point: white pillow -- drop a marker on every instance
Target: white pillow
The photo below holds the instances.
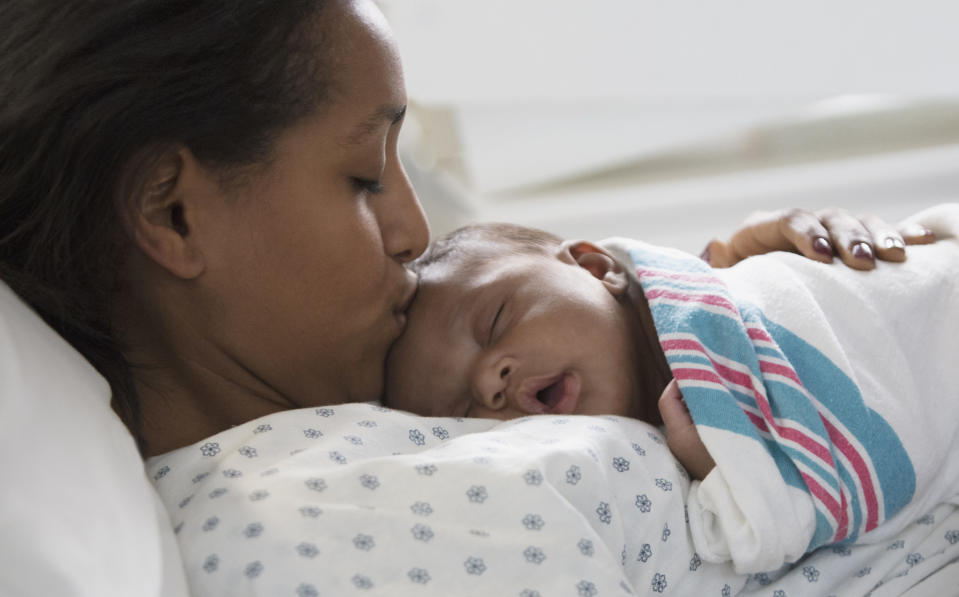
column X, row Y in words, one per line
column 77, row 513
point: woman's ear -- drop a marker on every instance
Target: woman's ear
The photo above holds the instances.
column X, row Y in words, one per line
column 159, row 213
column 598, row 262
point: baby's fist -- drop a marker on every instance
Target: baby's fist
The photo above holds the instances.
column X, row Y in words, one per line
column 681, row 435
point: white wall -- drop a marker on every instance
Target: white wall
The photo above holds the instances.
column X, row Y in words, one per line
column 541, row 50
column 517, row 97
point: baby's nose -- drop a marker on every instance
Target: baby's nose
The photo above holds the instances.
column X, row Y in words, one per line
column 491, row 382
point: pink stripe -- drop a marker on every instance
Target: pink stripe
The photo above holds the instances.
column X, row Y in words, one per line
column 758, row 421
column 681, row 344
column 837, row 510
column 758, row 334
column 862, row 471
column 709, row 299
column 779, row 369
column 813, row 447
column 697, row 375
column 702, row 278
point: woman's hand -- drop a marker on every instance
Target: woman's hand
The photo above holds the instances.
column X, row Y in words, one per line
column 681, row 435
column 858, row 241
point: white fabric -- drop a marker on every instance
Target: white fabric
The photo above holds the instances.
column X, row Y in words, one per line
column 361, row 500
column 77, row 515
column 898, row 337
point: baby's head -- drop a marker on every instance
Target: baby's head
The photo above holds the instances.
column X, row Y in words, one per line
column 510, row 321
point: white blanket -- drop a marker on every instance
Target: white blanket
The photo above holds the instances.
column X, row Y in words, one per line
column 827, row 397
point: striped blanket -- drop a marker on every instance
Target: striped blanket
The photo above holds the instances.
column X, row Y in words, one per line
column 828, row 398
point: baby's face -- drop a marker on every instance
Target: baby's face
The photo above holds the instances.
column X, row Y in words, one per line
column 513, row 335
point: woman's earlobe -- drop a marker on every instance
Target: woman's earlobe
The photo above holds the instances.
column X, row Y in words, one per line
column 598, row 262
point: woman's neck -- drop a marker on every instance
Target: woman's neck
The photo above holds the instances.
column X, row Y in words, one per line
column 182, row 402
column 188, row 388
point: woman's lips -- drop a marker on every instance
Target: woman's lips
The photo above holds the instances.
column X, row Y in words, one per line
column 554, row 394
column 409, row 291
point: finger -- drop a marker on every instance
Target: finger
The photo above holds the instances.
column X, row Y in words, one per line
column 887, row 241
column 915, row 234
column 806, row 233
column 851, row 239
column 719, row 254
column 759, row 234
column 675, row 415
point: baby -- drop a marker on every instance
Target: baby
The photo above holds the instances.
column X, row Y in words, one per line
column 511, row 321
column 823, row 398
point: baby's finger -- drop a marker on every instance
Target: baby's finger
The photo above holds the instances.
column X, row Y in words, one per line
column 887, row 241
column 806, row 234
column 852, row 240
column 675, row 415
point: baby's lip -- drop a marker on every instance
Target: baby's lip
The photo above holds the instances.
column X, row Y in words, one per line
column 550, row 394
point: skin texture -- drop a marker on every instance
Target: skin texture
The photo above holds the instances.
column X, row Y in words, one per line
column 285, row 291
column 487, row 331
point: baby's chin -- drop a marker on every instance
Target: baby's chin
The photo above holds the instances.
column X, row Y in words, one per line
column 608, row 405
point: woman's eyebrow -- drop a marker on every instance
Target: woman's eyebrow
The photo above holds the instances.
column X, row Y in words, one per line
column 387, row 113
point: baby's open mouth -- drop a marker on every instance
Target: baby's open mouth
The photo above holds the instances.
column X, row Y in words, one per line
column 551, row 394
column 557, row 394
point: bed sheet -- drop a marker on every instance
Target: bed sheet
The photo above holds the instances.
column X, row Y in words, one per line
column 362, row 500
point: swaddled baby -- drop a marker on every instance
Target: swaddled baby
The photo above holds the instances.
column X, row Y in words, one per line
column 805, row 381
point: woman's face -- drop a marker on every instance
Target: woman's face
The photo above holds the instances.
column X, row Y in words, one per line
column 304, row 281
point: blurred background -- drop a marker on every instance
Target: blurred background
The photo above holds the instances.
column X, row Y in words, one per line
column 671, row 121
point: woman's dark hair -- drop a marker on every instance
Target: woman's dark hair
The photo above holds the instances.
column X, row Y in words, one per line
column 92, row 90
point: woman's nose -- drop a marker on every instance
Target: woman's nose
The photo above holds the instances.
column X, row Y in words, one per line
column 491, row 381
column 403, row 224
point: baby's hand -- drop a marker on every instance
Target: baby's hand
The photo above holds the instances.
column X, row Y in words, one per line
column 681, row 435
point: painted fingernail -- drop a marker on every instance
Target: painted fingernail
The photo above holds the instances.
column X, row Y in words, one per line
column 916, row 230
column 892, row 242
column 862, row 250
column 705, row 255
column 821, row 245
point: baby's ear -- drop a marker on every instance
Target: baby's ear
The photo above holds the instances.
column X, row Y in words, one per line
column 598, row 262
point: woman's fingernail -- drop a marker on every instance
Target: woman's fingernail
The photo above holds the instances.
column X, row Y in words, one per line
column 892, row 242
column 862, row 250
column 705, row 255
column 916, row 231
column 821, row 245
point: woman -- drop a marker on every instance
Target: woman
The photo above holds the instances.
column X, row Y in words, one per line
column 206, row 200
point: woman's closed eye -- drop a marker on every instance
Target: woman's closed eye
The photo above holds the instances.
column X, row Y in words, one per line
column 368, row 185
